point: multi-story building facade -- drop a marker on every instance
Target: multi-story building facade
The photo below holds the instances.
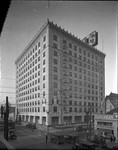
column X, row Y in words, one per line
column 58, row 77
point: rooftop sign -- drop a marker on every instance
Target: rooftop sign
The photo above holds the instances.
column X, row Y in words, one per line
column 91, row 39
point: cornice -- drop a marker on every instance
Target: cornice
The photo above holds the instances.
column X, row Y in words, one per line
column 63, row 31
column 75, row 38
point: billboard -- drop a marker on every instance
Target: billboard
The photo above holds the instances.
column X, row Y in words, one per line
column 91, row 39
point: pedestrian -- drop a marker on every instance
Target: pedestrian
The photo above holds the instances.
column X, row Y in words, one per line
column 46, row 138
column 114, row 139
column 32, row 128
column 111, row 138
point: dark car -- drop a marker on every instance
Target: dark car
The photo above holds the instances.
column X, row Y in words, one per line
column 30, row 125
column 12, row 135
column 100, row 141
column 72, row 138
column 56, row 138
column 85, row 145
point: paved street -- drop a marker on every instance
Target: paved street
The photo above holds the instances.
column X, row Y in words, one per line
column 26, row 139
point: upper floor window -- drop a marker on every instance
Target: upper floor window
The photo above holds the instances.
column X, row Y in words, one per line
column 55, row 53
column 54, row 109
column 43, row 54
column 64, row 41
column 55, row 37
column 55, row 45
column 75, row 48
column 44, row 46
column 70, row 45
column 44, row 38
column 38, row 44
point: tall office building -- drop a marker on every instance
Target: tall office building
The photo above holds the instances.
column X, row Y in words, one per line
column 58, row 77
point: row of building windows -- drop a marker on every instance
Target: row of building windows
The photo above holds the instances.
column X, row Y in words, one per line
column 55, row 109
column 31, row 52
column 70, row 102
column 85, row 53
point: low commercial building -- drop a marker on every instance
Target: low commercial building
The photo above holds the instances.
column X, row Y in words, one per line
column 111, row 102
column 107, row 123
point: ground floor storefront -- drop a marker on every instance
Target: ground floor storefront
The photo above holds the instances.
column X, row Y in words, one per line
column 53, row 120
column 106, row 125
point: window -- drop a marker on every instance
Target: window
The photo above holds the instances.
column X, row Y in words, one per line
column 70, row 66
column 43, row 77
column 55, row 77
column 64, row 41
column 55, row 37
column 38, row 109
column 43, row 109
column 36, row 47
column 44, row 46
column 70, row 45
column 55, row 69
column 55, row 45
column 39, row 58
column 54, row 109
column 75, row 61
column 38, row 94
column 70, row 102
column 43, row 62
column 80, row 57
column 38, row 44
column 70, row 53
column 75, row 109
column 39, row 80
column 75, row 55
column 55, row 53
column 43, row 70
column 55, row 61
column 75, row 68
column 75, row 47
column 43, row 93
column 80, row 51
column 55, row 85
column 44, row 38
column 70, row 109
column 38, row 65
column 43, row 85
column 43, row 54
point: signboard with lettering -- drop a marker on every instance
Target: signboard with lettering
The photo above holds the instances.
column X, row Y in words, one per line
column 91, row 39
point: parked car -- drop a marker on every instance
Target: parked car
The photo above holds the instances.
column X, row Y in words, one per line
column 30, row 125
column 12, row 135
column 56, row 138
column 100, row 141
column 85, row 145
column 72, row 138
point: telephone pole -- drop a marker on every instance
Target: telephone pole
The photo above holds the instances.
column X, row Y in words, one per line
column 6, row 115
column 90, row 120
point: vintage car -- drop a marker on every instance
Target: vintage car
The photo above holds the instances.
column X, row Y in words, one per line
column 85, row 145
column 71, row 138
column 57, row 138
column 12, row 135
column 30, row 125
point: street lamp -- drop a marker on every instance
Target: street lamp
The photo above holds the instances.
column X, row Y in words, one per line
column 60, row 92
column 87, row 119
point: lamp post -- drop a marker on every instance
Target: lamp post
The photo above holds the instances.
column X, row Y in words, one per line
column 87, row 115
column 60, row 92
column 90, row 121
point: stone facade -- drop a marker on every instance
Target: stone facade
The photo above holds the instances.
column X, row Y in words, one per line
column 58, row 77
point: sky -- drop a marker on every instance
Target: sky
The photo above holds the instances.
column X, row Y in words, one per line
column 25, row 18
